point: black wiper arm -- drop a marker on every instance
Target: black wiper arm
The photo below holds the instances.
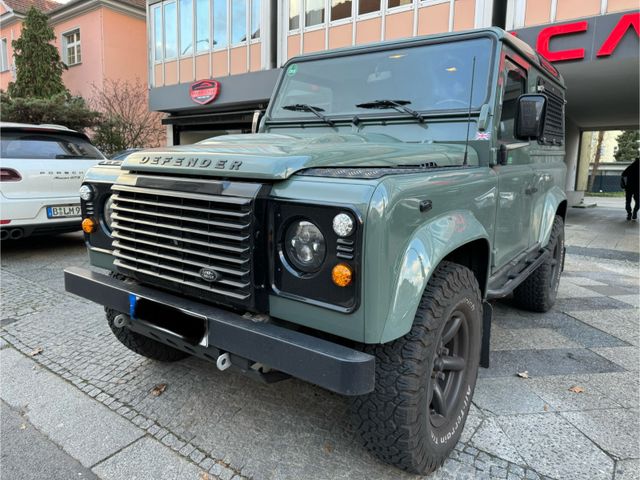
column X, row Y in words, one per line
column 317, row 111
column 399, row 105
column 69, row 155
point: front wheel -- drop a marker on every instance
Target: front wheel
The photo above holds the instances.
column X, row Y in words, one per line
column 425, row 380
column 539, row 291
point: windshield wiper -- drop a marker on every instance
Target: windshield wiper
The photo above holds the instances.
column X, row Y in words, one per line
column 317, row 111
column 399, row 105
column 69, row 155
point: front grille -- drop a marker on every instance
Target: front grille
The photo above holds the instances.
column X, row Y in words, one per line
column 166, row 237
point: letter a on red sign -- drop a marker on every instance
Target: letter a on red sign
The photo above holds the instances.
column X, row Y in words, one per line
column 626, row 21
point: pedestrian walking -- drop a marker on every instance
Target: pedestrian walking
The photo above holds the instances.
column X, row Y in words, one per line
column 630, row 184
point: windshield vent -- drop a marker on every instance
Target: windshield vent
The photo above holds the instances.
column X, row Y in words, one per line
column 365, row 173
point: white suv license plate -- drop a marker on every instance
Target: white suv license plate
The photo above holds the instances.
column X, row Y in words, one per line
column 62, row 211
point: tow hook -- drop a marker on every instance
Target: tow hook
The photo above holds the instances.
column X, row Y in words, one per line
column 121, row 321
column 223, row 362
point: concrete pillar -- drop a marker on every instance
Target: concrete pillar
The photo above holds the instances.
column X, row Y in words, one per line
column 572, row 148
column 169, row 135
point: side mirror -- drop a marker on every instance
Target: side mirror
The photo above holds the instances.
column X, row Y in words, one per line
column 530, row 116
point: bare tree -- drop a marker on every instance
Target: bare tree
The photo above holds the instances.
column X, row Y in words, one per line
column 128, row 123
column 596, row 161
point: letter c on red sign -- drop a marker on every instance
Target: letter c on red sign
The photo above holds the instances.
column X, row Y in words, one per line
column 626, row 21
column 546, row 34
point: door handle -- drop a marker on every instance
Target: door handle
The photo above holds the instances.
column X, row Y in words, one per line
column 530, row 190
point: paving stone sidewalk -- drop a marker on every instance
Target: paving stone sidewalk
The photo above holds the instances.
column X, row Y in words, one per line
column 234, row 427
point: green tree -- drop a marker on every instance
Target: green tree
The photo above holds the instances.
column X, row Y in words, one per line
column 60, row 109
column 38, row 65
column 627, row 145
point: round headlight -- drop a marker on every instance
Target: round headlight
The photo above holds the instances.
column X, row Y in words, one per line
column 305, row 246
column 343, row 225
column 107, row 211
column 86, row 192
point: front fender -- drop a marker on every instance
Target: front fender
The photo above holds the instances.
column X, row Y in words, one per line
column 548, row 207
column 430, row 244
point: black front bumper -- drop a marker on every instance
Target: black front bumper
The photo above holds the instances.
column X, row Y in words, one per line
column 315, row 360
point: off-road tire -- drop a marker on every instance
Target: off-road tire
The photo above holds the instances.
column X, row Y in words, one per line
column 395, row 420
column 539, row 291
column 140, row 344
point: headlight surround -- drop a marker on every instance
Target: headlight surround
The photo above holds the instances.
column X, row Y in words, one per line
column 305, row 246
column 107, row 212
column 86, row 192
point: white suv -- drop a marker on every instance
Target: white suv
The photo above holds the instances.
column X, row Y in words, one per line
column 41, row 170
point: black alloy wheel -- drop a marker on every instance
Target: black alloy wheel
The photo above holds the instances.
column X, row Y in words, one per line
column 447, row 377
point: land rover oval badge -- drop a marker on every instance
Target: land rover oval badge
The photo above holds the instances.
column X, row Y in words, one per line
column 209, row 274
column 204, row 91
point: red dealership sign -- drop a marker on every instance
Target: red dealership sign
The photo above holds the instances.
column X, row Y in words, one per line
column 627, row 21
column 204, row 91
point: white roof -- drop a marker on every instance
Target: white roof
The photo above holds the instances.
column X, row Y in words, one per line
column 47, row 126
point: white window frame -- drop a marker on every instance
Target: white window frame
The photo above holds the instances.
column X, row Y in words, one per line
column 317, row 26
column 74, row 44
column 253, row 41
column 152, row 9
column 213, row 32
column 4, row 55
column 342, row 21
column 285, row 12
column 400, row 8
column 367, row 16
column 193, row 30
column 247, row 35
column 166, row 58
column 195, row 27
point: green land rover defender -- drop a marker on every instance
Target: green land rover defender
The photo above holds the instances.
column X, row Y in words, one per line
column 356, row 239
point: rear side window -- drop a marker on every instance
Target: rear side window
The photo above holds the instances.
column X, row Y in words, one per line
column 49, row 146
column 515, row 85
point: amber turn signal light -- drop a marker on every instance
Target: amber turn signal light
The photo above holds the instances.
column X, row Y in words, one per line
column 342, row 275
column 88, row 225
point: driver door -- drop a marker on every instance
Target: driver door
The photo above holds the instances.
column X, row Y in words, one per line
column 514, row 206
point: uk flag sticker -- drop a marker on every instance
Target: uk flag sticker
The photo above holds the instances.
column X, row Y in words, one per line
column 483, row 136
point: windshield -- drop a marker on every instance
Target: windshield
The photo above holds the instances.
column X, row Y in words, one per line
column 424, row 78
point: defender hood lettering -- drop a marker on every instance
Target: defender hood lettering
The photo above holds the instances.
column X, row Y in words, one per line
column 276, row 157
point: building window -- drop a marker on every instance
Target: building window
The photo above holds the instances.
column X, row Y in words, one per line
column 186, row 27
column 255, row 19
column 294, row 14
column 4, row 57
column 398, row 3
column 238, row 21
column 71, row 52
column 313, row 12
column 368, row 6
column 157, row 33
column 340, row 9
column 220, row 35
column 170, row 30
column 202, row 25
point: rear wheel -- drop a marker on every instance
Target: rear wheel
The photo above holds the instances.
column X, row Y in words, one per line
column 425, row 380
column 539, row 291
